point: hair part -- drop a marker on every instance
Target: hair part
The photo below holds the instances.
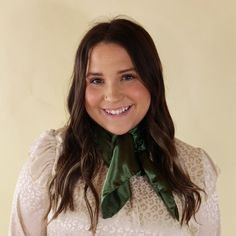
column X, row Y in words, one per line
column 79, row 158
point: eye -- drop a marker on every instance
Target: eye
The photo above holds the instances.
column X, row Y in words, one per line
column 95, row 81
column 128, row 77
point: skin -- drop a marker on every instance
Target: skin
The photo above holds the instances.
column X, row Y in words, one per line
column 115, row 95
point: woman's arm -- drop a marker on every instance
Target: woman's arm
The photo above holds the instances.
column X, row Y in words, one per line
column 208, row 216
column 30, row 204
column 31, row 200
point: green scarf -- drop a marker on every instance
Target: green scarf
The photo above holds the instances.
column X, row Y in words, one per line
column 126, row 155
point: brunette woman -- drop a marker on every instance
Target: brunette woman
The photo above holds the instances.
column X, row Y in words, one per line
column 116, row 168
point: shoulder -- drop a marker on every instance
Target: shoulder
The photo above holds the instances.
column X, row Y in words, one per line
column 198, row 164
column 44, row 153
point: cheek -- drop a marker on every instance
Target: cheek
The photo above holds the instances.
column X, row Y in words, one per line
column 92, row 97
column 141, row 94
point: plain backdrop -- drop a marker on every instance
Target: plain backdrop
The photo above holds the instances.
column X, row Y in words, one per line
column 196, row 43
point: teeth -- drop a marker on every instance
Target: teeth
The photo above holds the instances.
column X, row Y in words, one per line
column 117, row 111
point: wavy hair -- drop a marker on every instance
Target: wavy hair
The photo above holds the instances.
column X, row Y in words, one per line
column 79, row 158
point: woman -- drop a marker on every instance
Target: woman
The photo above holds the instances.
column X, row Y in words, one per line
column 116, row 168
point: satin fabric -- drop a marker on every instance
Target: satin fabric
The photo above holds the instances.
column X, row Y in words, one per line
column 126, row 155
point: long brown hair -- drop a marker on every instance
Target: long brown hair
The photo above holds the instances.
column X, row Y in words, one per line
column 79, row 158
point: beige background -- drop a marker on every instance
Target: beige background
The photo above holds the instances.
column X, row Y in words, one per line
column 196, row 42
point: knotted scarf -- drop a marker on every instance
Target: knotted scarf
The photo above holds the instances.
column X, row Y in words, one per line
column 126, row 155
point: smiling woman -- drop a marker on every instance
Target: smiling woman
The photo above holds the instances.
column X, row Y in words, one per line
column 116, row 167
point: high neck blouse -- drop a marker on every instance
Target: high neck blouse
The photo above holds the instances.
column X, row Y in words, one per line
column 143, row 215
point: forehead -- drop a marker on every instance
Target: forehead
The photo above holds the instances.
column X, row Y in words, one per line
column 107, row 55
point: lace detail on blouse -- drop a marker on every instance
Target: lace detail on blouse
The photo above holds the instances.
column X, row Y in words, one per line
column 144, row 214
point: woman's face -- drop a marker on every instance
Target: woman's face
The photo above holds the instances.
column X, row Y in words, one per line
column 115, row 96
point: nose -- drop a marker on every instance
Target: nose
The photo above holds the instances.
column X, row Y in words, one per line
column 113, row 93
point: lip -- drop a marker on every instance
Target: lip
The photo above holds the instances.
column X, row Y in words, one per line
column 110, row 112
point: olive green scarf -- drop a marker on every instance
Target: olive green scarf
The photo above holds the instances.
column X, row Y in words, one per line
column 126, row 155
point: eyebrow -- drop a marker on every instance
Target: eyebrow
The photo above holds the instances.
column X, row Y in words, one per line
column 119, row 72
column 93, row 73
column 126, row 70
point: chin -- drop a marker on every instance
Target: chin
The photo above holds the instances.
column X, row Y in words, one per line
column 117, row 131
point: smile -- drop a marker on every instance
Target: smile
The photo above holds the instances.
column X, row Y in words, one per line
column 117, row 111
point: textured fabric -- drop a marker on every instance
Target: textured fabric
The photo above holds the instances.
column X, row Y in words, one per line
column 144, row 214
column 126, row 155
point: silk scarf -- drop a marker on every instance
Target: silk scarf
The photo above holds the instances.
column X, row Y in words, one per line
column 126, row 156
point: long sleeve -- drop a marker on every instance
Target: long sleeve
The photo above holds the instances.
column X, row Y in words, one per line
column 208, row 216
column 204, row 173
column 31, row 202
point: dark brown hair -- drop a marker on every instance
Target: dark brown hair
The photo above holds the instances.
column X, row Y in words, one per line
column 79, row 158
